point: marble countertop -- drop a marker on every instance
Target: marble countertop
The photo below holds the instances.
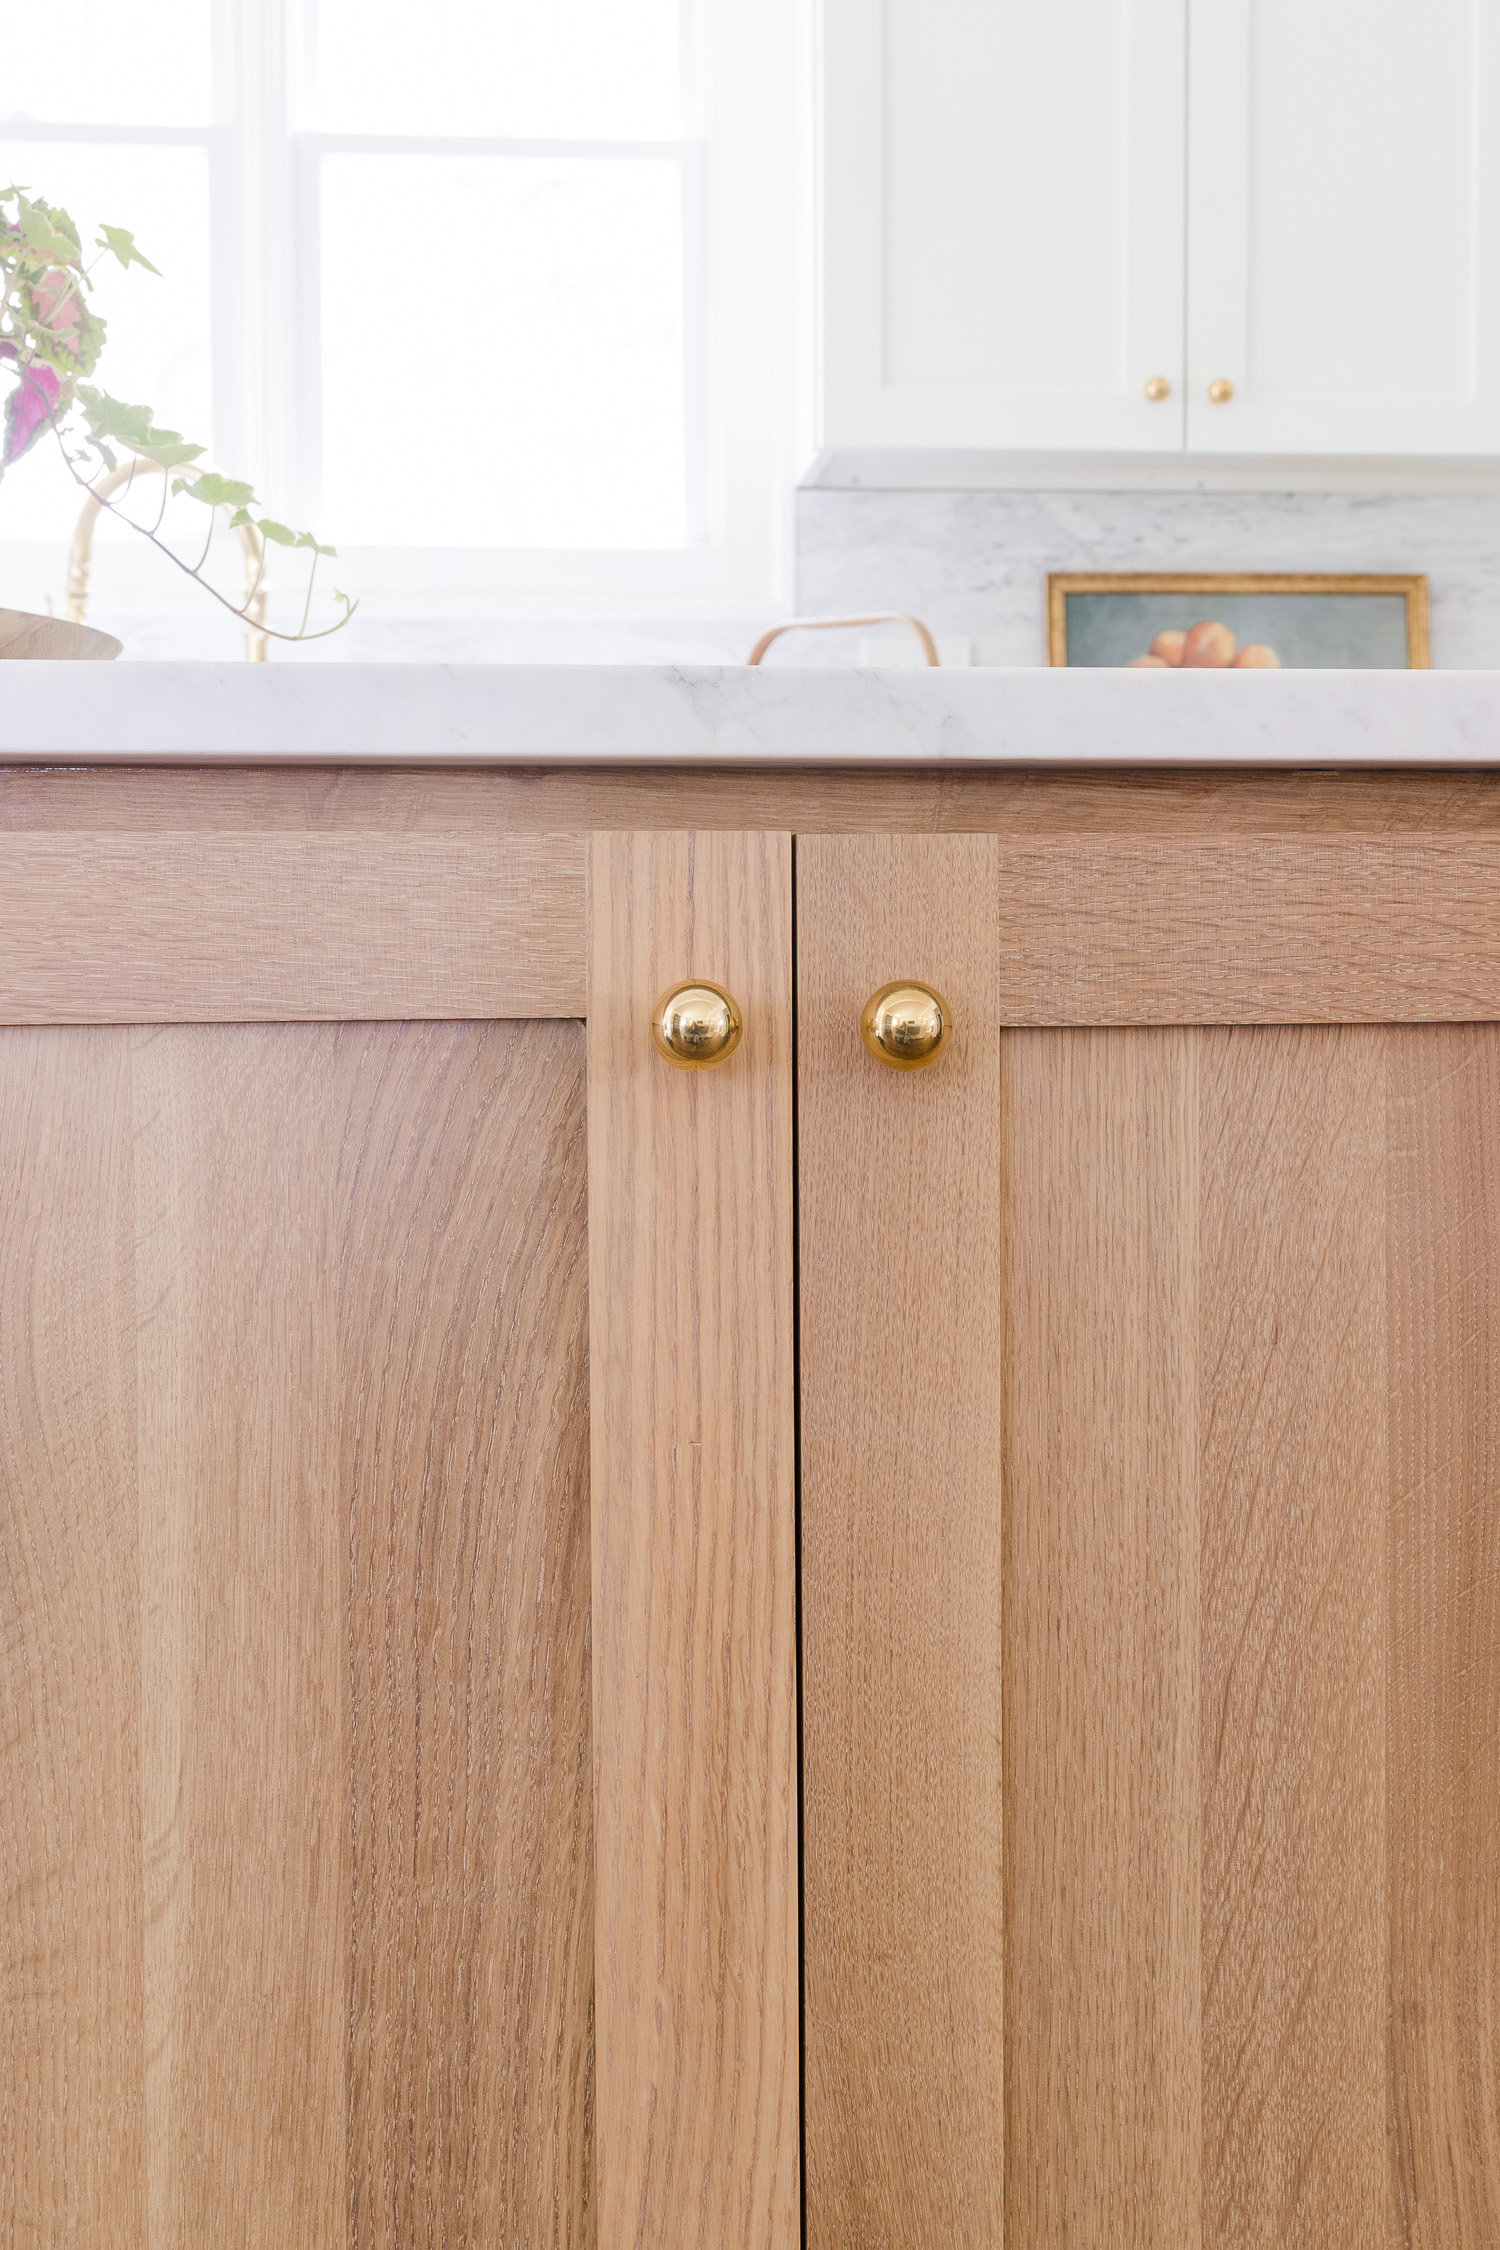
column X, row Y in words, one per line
column 476, row 715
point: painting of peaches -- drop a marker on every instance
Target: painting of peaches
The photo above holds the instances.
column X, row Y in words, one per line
column 1209, row 646
column 1237, row 622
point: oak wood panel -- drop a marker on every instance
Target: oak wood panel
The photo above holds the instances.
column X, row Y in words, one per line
column 1443, row 1800
column 99, row 927
column 322, row 1971
column 242, row 1602
column 901, row 1551
column 1249, row 930
column 537, row 799
column 461, row 1317
column 1101, row 1639
column 1294, row 1466
column 692, row 1415
column 72, row 2050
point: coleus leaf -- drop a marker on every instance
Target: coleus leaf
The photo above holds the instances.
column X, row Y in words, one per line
column 40, row 236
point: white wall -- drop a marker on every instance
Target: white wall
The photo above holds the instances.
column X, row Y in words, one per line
column 974, row 564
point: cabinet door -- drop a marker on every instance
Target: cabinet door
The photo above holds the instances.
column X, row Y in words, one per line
column 1150, row 1355
column 1002, row 222
column 1343, row 225
column 397, row 1738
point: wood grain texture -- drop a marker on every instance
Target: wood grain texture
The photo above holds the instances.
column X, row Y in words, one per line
column 102, row 927
column 242, row 1647
column 1293, row 1453
column 901, row 1545
column 313, row 1964
column 945, row 800
column 1250, row 1617
column 191, row 928
column 1249, row 930
column 464, row 1281
column 694, row 1617
column 1101, row 1639
column 72, row 2050
column 1443, row 1801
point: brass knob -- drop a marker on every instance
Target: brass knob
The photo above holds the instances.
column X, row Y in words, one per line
column 696, row 1024
column 1158, row 388
column 1220, row 391
column 906, row 1026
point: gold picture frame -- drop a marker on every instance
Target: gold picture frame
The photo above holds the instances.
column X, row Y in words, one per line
column 1412, row 588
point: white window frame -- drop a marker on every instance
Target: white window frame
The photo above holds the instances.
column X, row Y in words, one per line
column 748, row 173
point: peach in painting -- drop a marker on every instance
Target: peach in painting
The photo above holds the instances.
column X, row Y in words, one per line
column 1148, row 664
column 1256, row 656
column 1167, row 646
column 1209, row 645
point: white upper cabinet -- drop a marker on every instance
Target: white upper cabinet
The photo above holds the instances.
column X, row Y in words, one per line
column 1002, row 222
column 1035, row 209
column 1343, row 227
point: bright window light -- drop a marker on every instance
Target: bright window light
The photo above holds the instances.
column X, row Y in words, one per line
column 108, row 62
column 493, row 294
column 529, row 69
column 562, row 280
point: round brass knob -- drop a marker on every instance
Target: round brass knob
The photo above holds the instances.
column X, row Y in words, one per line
column 906, row 1026
column 1158, row 388
column 1220, row 391
column 696, row 1024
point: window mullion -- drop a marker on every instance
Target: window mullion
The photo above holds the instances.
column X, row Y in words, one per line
column 252, row 245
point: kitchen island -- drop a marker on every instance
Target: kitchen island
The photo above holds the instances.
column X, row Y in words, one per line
column 610, row 1640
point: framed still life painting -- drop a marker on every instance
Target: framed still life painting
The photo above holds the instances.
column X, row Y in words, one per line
column 1239, row 620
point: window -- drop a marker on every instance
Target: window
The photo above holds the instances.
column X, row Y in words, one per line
column 496, row 294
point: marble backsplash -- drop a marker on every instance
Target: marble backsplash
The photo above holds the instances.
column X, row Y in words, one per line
column 973, row 565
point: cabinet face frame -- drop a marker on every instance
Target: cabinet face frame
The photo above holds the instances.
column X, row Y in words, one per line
column 860, row 406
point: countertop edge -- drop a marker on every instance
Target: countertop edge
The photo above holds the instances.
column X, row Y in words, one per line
column 733, row 716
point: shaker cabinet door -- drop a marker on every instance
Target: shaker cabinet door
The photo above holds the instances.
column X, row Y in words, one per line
column 1150, row 1353
column 1343, row 226
column 397, row 1603
column 1002, row 191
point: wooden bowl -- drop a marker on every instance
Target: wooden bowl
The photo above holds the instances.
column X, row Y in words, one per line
column 23, row 634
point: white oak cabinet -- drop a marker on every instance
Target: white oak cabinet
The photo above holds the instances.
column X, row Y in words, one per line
column 787, row 1656
column 1230, row 226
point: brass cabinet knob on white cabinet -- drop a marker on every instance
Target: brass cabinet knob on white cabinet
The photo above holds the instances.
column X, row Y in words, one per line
column 1220, row 391
column 1157, row 388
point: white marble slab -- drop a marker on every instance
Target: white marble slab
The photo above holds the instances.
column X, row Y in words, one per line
column 390, row 714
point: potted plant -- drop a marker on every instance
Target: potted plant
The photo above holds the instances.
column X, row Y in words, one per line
column 50, row 342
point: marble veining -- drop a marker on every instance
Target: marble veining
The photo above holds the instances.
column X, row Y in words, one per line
column 477, row 714
column 974, row 564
